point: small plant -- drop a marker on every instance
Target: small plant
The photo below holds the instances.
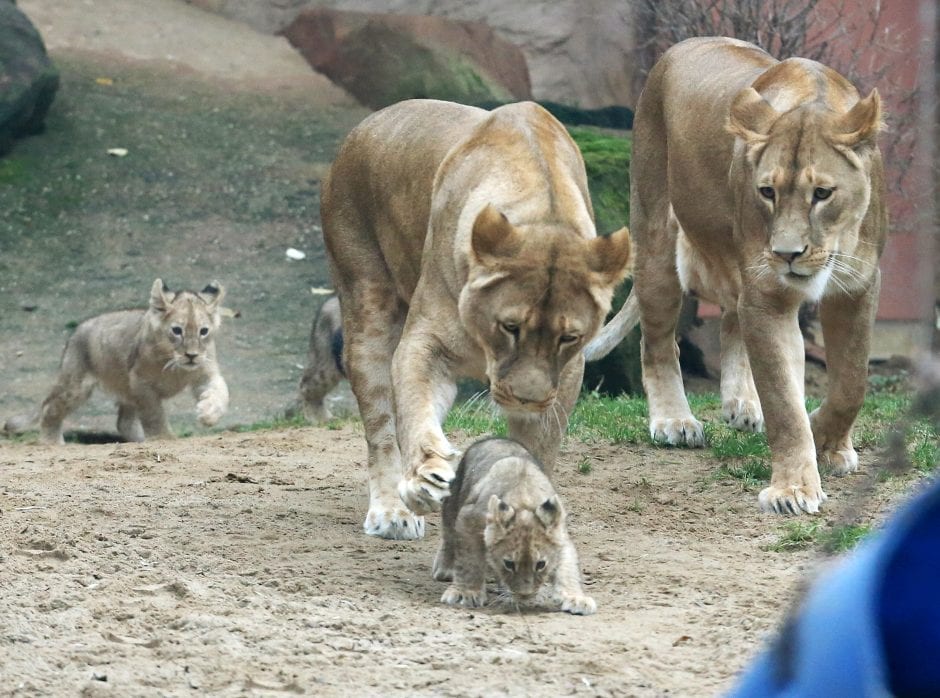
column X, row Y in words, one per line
column 843, row 538
column 753, row 473
column 584, row 467
column 796, row 535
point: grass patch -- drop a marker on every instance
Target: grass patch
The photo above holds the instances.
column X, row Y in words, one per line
column 796, row 535
column 844, row 538
column 752, row 473
column 802, row 534
column 278, row 422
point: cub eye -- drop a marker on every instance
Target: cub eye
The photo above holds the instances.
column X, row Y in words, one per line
column 510, row 328
column 509, row 565
column 767, row 192
column 821, row 193
column 540, row 565
column 177, row 330
column 203, row 331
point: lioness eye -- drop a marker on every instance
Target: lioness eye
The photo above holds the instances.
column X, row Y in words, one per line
column 568, row 338
column 177, row 330
column 203, row 331
column 821, row 193
column 509, row 565
column 510, row 328
column 767, row 192
column 540, row 565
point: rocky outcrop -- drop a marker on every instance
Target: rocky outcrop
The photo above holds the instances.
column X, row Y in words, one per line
column 28, row 79
column 579, row 52
column 381, row 58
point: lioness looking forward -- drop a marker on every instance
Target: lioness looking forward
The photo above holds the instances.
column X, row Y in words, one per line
column 141, row 357
column 461, row 243
column 758, row 185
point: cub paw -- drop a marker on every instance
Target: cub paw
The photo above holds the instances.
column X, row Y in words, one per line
column 395, row 523
column 678, row 432
column 208, row 411
column 794, row 499
column 578, row 605
column 743, row 415
column 462, row 596
column 426, row 488
column 840, row 461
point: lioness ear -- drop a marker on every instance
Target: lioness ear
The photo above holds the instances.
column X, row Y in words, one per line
column 498, row 512
column 610, row 256
column 159, row 299
column 751, row 116
column 494, row 236
column 213, row 294
column 861, row 123
column 550, row 512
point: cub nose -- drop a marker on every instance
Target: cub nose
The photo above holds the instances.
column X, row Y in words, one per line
column 191, row 356
column 789, row 255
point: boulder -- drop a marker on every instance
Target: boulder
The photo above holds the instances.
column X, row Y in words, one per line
column 28, row 79
column 381, row 59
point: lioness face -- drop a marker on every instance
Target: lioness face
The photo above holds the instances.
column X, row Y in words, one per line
column 185, row 323
column 812, row 187
column 534, row 297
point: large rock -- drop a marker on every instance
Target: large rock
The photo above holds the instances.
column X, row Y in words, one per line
column 381, row 59
column 579, row 52
column 28, row 79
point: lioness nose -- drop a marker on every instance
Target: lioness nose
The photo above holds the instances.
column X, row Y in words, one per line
column 191, row 356
column 789, row 255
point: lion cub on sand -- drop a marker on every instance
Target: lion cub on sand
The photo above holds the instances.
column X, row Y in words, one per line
column 504, row 517
column 142, row 357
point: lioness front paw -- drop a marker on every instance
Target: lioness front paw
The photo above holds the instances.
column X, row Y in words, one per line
column 743, row 415
column 426, row 488
column 794, row 499
column 839, row 461
column 394, row 522
column 578, row 605
column 678, row 432
column 457, row 595
column 209, row 411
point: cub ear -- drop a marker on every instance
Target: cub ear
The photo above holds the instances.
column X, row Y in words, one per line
column 159, row 296
column 213, row 293
column 498, row 512
column 610, row 257
column 550, row 512
column 861, row 123
column 494, row 236
column 751, row 116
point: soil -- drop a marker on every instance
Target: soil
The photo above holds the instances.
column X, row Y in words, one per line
column 231, row 563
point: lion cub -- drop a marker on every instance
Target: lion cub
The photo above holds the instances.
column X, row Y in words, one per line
column 142, row 357
column 504, row 517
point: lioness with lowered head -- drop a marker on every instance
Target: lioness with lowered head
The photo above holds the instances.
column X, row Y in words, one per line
column 461, row 243
column 758, row 185
column 504, row 519
column 141, row 357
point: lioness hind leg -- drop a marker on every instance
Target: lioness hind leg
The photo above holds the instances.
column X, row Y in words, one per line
column 660, row 296
column 847, row 324
column 740, row 405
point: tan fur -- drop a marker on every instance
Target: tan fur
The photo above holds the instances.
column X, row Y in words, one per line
column 141, row 357
column 503, row 519
column 462, row 242
column 730, row 120
column 322, row 372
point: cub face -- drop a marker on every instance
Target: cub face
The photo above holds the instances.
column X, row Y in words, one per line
column 522, row 546
column 535, row 295
column 185, row 322
column 810, row 175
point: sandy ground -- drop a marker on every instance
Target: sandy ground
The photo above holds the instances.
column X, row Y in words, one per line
column 235, row 564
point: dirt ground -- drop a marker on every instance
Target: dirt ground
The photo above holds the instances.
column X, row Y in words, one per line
column 234, row 563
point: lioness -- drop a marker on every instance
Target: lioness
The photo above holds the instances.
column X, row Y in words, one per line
column 462, row 242
column 504, row 518
column 757, row 185
column 142, row 357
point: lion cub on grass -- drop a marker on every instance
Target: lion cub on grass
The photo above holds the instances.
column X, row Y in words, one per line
column 142, row 357
column 504, row 517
